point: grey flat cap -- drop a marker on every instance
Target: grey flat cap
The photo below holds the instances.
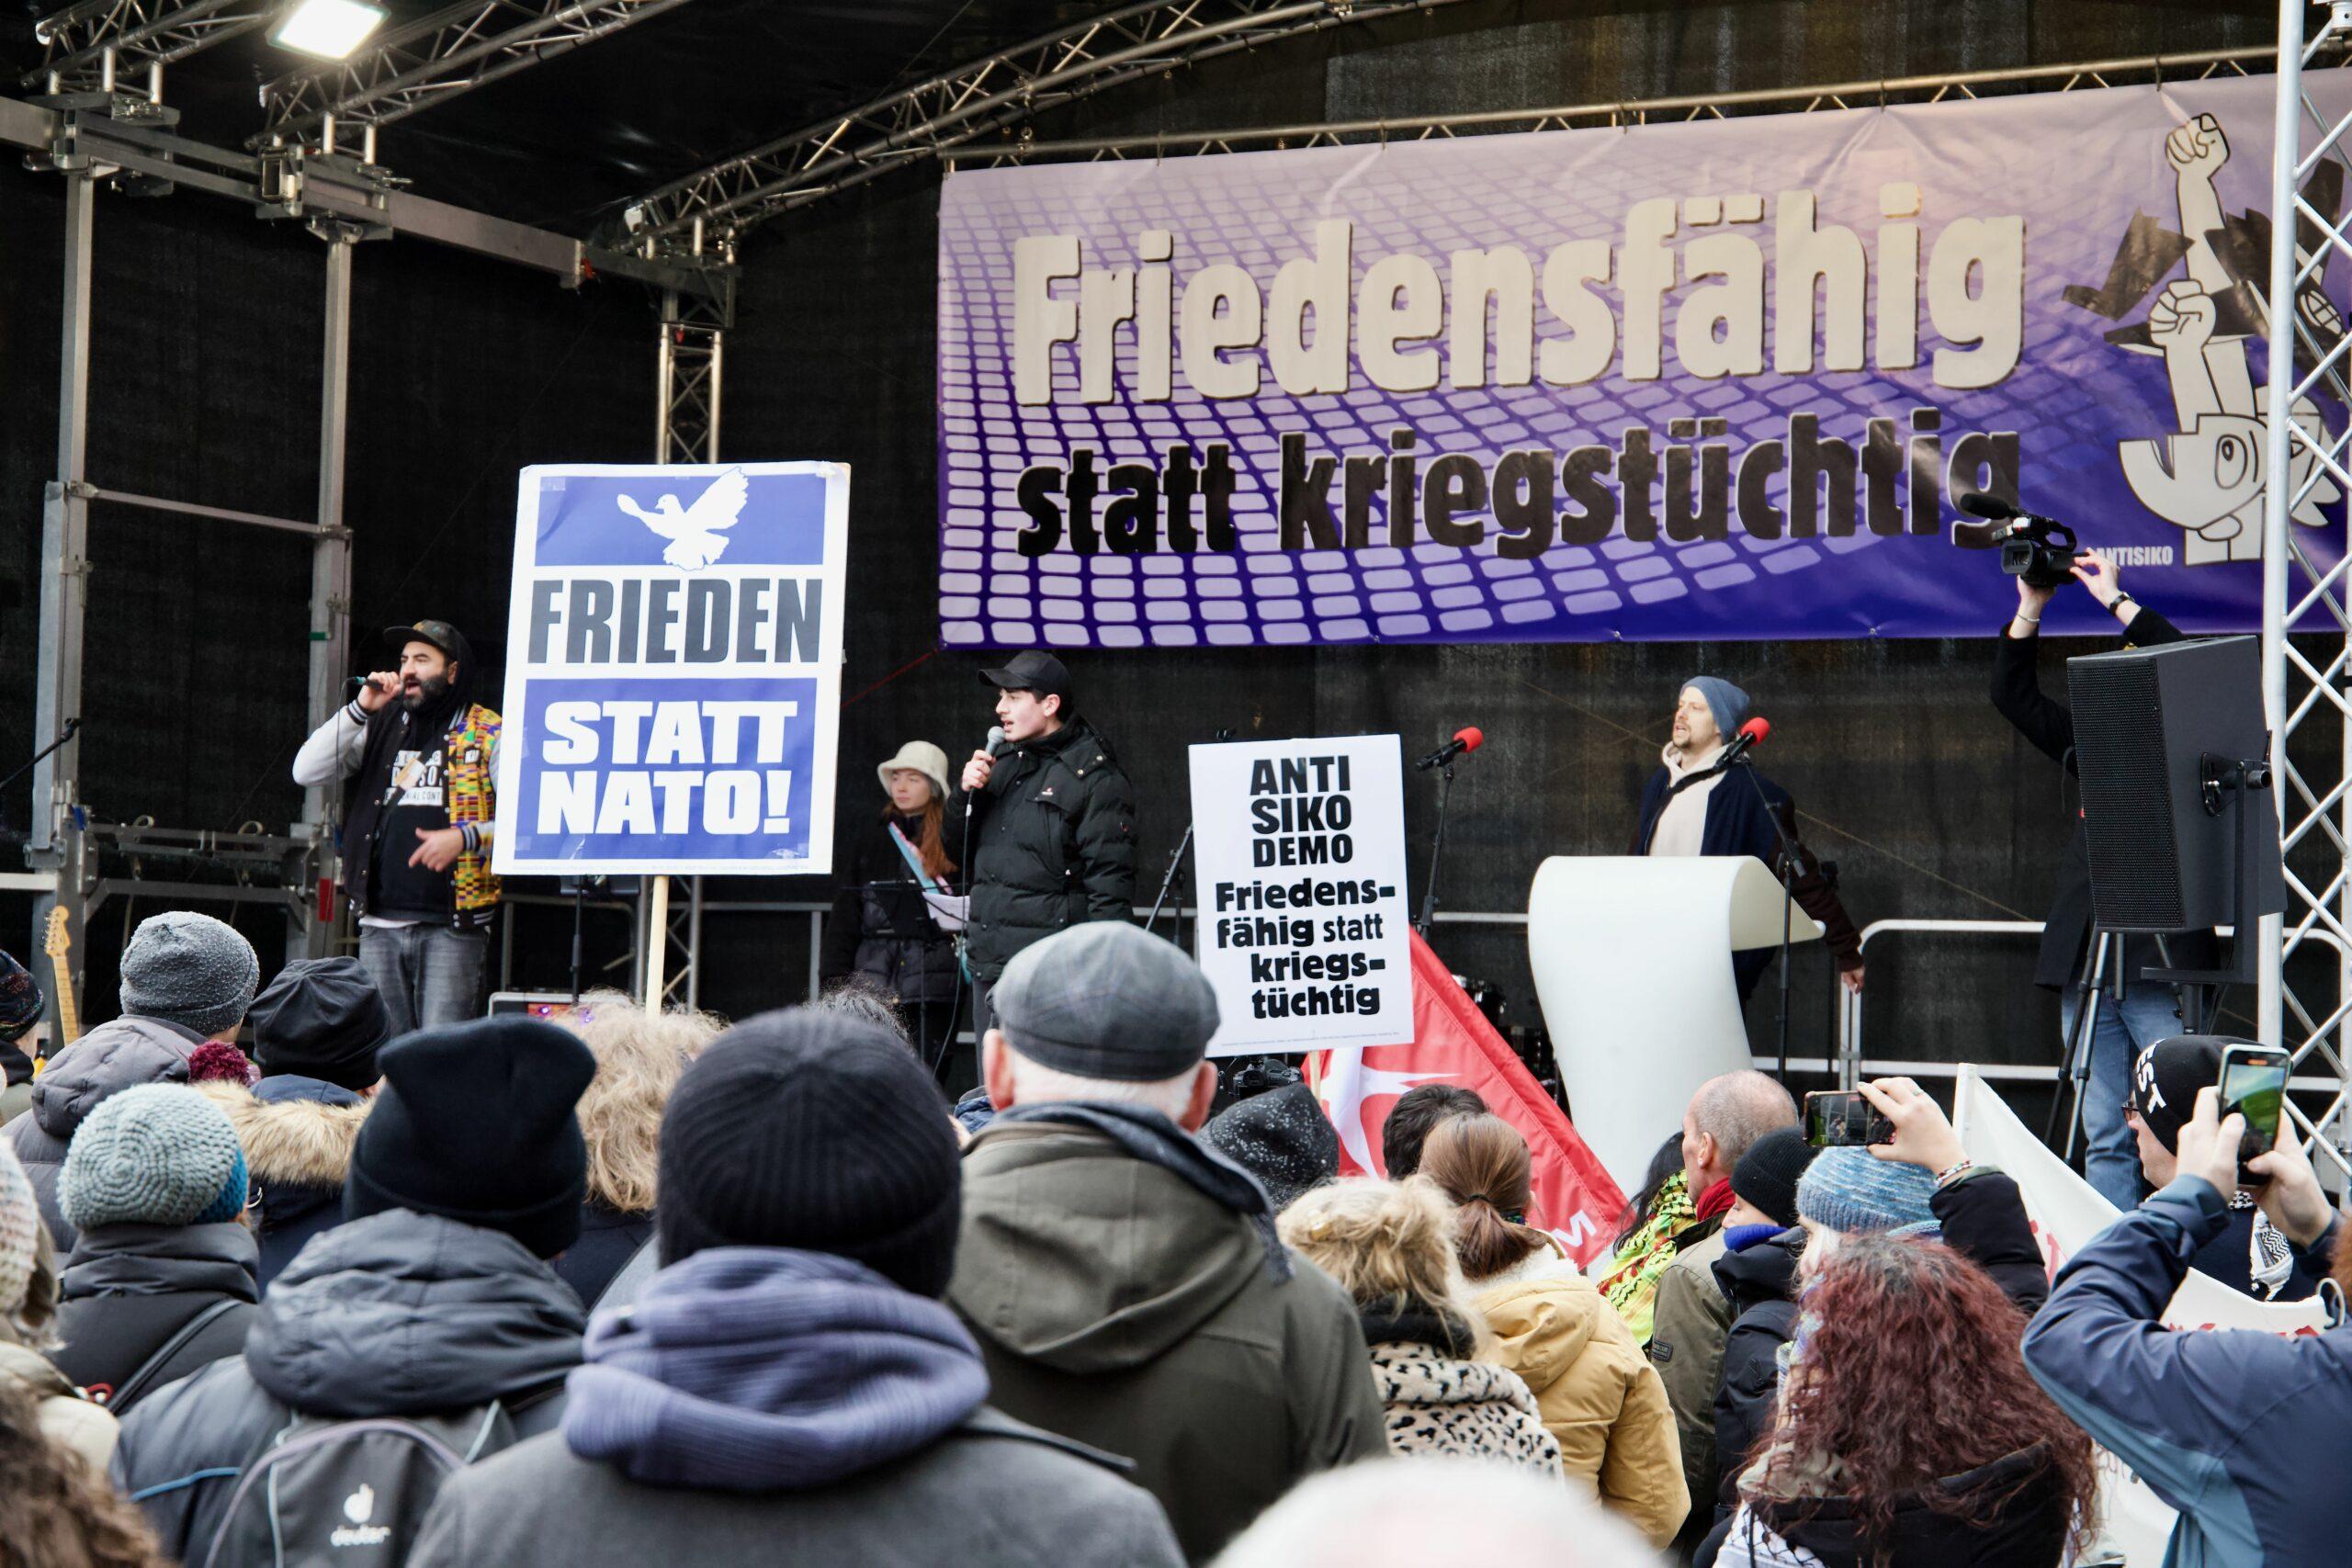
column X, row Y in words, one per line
column 1104, row 1000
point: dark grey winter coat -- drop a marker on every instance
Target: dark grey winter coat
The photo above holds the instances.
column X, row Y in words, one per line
column 398, row 1313
column 1053, row 845
column 993, row 1493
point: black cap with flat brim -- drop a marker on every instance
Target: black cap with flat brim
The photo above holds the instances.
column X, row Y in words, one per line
column 1038, row 672
column 440, row 633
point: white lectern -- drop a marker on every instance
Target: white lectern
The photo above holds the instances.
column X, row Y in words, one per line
column 1632, row 957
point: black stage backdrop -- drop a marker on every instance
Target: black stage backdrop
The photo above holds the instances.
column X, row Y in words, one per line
column 205, row 387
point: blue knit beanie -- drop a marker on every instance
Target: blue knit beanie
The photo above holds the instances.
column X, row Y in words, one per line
column 157, row 1155
column 1726, row 701
column 1853, row 1191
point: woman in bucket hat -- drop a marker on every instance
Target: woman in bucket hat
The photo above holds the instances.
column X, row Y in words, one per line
column 882, row 934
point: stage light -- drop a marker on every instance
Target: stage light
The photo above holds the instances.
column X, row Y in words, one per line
column 328, row 28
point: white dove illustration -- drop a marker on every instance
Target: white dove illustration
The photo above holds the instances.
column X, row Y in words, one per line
column 695, row 532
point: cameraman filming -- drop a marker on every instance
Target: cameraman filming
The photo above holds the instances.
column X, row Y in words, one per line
column 2148, row 1011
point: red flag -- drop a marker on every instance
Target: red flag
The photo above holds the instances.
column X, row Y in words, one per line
column 1574, row 1196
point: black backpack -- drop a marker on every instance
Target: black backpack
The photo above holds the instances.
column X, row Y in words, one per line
column 350, row 1493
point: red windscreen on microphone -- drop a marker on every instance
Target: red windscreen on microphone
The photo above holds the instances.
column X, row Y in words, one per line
column 1470, row 738
column 1757, row 730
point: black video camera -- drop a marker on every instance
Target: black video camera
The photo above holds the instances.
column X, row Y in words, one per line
column 2039, row 550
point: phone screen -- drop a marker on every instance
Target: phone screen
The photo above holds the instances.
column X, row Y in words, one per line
column 2255, row 1087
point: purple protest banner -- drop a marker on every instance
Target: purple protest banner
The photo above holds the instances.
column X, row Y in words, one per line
column 1716, row 380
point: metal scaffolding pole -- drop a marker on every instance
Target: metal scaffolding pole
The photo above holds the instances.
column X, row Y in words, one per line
column 330, row 576
column 56, row 844
column 2304, row 579
column 689, row 358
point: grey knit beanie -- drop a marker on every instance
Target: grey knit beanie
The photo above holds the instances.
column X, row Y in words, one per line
column 158, row 1154
column 1726, row 701
column 191, row 970
column 1854, row 1191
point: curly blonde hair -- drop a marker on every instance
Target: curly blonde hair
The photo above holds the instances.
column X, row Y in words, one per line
column 1388, row 1244
column 638, row 1057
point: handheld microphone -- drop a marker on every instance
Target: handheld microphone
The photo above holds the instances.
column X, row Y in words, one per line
column 1752, row 734
column 1468, row 738
column 996, row 739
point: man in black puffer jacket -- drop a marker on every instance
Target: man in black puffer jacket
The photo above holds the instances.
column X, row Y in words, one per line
column 432, row 1297
column 1053, row 823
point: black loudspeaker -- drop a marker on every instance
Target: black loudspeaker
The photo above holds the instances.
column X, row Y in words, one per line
column 2159, row 735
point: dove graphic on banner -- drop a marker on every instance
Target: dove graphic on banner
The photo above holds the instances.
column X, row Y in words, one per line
column 696, row 533
column 1573, row 1197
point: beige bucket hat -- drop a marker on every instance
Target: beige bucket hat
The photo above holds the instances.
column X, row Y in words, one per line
column 923, row 758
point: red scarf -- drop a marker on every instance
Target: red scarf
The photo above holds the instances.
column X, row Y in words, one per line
column 1716, row 1200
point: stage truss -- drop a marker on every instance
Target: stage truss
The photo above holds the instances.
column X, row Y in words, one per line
column 2305, row 989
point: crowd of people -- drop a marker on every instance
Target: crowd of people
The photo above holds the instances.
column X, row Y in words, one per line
column 279, row 1280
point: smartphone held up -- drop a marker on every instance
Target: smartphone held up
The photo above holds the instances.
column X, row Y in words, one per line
column 1837, row 1119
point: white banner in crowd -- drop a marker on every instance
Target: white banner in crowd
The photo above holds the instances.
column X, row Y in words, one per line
column 2066, row 1214
column 673, row 660
column 1298, row 849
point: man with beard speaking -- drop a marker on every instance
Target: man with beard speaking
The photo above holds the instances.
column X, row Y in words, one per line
column 422, row 756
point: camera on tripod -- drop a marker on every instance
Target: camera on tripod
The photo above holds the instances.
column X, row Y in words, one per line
column 2039, row 550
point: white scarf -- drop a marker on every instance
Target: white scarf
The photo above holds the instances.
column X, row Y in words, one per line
column 1681, row 826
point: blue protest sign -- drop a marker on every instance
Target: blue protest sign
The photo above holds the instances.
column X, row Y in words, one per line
column 674, row 670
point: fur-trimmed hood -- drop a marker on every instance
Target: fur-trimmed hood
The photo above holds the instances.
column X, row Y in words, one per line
column 291, row 1140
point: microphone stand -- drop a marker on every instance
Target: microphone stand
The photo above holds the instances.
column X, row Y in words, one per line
column 71, row 726
column 1175, row 869
column 1787, row 857
column 1436, row 851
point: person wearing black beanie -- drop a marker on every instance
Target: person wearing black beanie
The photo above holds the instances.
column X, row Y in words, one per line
column 475, row 1123
column 1765, row 1179
column 321, row 1018
column 799, row 1129
column 790, row 1374
column 432, row 1299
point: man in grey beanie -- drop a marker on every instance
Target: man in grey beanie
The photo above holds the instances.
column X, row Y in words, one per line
column 1124, row 1283
column 1692, row 805
column 190, row 970
column 186, row 978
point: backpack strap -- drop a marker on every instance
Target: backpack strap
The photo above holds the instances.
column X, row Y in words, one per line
column 136, row 1384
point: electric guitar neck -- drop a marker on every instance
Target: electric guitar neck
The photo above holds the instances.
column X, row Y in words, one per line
column 69, row 1019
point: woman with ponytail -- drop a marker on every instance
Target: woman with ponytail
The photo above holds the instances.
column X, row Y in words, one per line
column 1599, row 1397
column 1390, row 1245
column 881, row 932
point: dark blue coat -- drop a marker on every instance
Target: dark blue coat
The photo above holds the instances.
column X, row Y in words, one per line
column 2248, row 1434
column 1737, row 825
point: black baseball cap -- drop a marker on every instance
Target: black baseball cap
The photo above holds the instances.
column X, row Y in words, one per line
column 1038, row 672
column 2166, row 1079
column 440, row 633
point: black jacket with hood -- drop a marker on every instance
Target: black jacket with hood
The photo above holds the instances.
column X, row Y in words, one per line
column 1119, row 1305
column 297, row 1134
column 2022, row 1525
column 128, row 1290
column 398, row 1313
column 116, row 1055
column 1053, row 845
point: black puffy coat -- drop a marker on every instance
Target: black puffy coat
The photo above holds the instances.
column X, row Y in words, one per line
column 880, row 926
column 1053, row 845
column 2028, row 1530
column 1982, row 1218
column 398, row 1313
column 128, row 1289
